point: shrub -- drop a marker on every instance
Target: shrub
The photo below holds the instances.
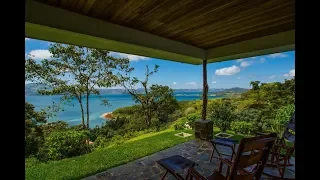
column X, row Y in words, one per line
column 175, row 115
column 117, row 139
column 54, row 126
column 249, row 115
column 179, row 126
column 282, row 118
column 221, row 112
column 101, row 142
column 29, row 162
column 33, row 141
column 64, row 144
column 189, row 110
column 191, row 118
column 242, row 127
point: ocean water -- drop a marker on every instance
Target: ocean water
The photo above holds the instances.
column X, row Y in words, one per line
column 72, row 114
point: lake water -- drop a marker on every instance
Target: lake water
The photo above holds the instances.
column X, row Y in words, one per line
column 72, row 114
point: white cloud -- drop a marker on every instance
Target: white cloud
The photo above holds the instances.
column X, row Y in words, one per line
column 192, row 83
column 130, row 56
column 272, row 77
column 228, row 71
column 262, row 60
column 277, row 55
column 291, row 73
column 238, row 78
column 239, row 60
column 174, row 83
column 245, row 64
column 26, row 39
column 253, row 57
column 213, row 82
column 40, row 54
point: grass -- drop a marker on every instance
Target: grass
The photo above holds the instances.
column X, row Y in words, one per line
column 103, row 159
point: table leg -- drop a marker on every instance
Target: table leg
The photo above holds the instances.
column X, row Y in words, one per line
column 214, row 149
column 212, row 154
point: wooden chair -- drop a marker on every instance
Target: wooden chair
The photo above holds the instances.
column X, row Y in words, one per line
column 281, row 153
column 248, row 164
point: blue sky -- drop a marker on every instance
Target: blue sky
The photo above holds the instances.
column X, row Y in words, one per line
column 227, row 74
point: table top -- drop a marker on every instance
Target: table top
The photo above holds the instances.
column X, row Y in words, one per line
column 224, row 141
column 175, row 163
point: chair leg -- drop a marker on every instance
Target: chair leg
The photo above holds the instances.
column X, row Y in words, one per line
column 220, row 167
column 212, row 155
column 164, row 175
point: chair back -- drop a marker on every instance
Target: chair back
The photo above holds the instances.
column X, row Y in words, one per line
column 251, row 157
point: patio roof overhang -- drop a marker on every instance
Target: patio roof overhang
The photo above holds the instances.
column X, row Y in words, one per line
column 187, row 31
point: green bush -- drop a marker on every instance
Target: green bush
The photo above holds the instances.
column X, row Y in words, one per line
column 54, row 126
column 189, row 110
column 179, row 126
column 242, row 127
column 32, row 161
column 175, row 115
column 191, row 118
column 101, row 142
column 282, row 118
column 117, row 139
column 221, row 112
column 63, row 144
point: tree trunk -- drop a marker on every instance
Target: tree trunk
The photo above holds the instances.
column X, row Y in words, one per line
column 82, row 114
column 205, row 91
column 87, row 109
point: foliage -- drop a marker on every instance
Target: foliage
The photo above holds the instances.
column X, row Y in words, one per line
column 54, row 126
column 63, row 144
column 85, row 69
column 33, row 133
column 221, row 112
column 179, row 126
column 242, row 127
column 282, row 118
column 156, row 101
column 104, row 131
column 255, row 85
column 175, row 115
column 268, row 98
column 191, row 118
column 189, row 110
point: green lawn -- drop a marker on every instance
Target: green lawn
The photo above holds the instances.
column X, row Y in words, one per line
column 103, row 159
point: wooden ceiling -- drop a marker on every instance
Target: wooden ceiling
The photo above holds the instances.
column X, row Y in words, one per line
column 201, row 23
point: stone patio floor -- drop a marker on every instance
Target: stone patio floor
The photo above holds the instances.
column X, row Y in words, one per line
column 147, row 168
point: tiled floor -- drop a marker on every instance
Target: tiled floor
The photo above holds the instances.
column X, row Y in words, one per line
column 147, row 168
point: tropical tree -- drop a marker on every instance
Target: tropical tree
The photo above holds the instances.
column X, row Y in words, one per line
column 33, row 133
column 76, row 72
column 255, row 85
column 221, row 112
column 155, row 100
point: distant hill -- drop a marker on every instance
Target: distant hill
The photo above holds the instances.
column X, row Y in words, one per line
column 235, row 90
column 31, row 89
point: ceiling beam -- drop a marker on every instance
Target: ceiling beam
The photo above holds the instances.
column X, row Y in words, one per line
column 280, row 42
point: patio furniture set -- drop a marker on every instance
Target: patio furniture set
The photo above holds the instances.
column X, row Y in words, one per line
column 252, row 156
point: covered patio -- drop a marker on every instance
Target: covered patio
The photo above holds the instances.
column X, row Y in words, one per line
column 195, row 32
column 195, row 150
